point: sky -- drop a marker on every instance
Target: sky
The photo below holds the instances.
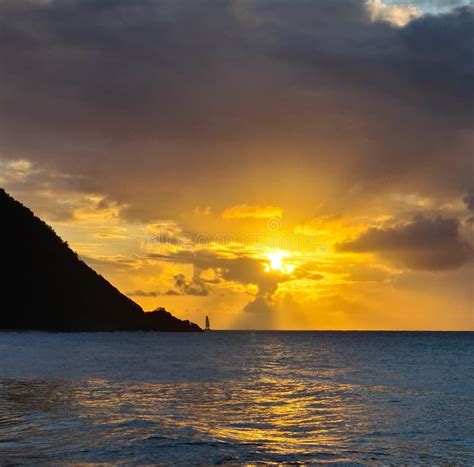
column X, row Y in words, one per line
column 274, row 164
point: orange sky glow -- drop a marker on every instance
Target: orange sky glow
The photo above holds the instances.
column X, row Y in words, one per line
column 273, row 165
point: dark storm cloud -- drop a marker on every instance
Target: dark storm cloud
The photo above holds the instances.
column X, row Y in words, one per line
column 134, row 66
column 439, row 57
column 140, row 96
column 426, row 244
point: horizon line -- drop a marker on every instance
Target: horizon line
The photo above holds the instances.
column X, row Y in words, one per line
column 342, row 330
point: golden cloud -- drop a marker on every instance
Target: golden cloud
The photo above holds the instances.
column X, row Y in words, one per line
column 252, row 211
column 96, row 209
column 398, row 15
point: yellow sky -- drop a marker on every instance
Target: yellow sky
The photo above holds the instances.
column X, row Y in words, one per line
column 256, row 267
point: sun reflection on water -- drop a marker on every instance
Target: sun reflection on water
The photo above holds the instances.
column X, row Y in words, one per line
column 273, row 415
column 291, row 398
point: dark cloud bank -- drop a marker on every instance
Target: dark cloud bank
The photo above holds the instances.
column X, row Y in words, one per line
column 427, row 244
column 139, row 96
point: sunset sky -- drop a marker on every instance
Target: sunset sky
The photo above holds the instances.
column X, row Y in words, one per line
column 274, row 164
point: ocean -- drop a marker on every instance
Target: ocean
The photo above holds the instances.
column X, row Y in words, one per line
column 355, row 398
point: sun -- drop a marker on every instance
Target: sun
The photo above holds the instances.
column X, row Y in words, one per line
column 276, row 262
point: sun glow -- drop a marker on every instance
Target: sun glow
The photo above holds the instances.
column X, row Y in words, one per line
column 276, row 262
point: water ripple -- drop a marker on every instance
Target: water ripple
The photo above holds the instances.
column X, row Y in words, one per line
column 292, row 399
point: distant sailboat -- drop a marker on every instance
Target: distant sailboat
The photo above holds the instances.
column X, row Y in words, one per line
column 208, row 326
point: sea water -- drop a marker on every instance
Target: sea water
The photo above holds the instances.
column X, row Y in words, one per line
column 237, row 397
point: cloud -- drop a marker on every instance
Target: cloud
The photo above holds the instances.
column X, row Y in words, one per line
column 277, row 97
column 95, row 209
column 20, row 168
column 197, row 286
column 125, row 262
column 241, row 269
column 141, row 293
column 308, row 271
column 424, row 244
column 249, row 211
column 108, row 232
column 259, row 305
column 202, row 210
column 398, row 15
column 469, row 200
column 167, row 232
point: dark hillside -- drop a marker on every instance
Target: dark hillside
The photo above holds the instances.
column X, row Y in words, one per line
column 46, row 286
